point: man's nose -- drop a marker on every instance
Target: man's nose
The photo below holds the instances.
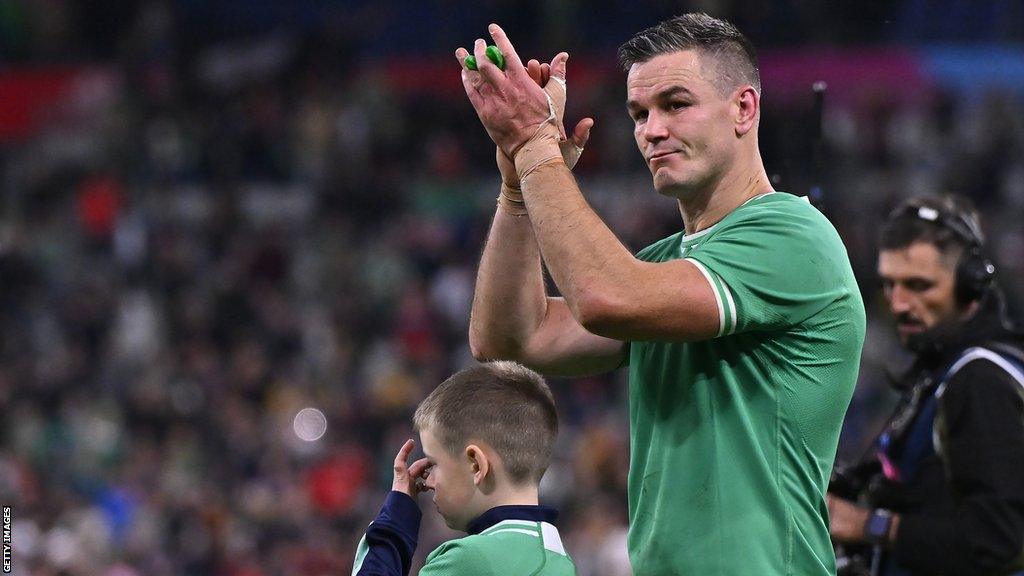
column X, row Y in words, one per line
column 899, row 300
column 655, row 128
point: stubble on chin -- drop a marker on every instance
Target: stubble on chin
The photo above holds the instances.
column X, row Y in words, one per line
column 672, row 187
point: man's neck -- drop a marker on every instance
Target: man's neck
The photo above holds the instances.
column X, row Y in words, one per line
column 705, row 208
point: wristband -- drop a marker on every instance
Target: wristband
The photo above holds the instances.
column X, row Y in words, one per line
column 877, row 526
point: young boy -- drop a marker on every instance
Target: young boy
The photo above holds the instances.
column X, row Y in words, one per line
column 487, row 433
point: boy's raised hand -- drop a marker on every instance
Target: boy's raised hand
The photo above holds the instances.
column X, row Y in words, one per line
column 408, row 479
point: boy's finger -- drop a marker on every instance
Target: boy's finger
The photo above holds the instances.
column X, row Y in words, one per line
column 418, row 467
column 403, row 454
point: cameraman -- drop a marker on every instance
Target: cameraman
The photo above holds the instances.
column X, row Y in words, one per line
column 946, row 492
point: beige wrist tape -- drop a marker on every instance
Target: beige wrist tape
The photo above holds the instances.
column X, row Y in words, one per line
column 511, row 200
column 539, row 170
column 539, row 149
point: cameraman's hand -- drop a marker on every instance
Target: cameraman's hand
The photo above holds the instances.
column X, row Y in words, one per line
column 408, row 478
column 846, row 520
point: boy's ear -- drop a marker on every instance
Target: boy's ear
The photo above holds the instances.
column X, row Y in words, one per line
column 479, row 463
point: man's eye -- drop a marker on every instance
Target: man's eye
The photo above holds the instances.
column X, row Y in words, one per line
column 678, row 105
column 918, row 285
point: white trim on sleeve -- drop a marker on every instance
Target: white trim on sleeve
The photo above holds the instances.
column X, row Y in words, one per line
column 714, row 290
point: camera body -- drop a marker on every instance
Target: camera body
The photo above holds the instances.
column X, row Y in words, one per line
column 853, row 483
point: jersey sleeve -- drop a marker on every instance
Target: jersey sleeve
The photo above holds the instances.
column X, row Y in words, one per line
column 772, row 266
column 390, row 541
column 456, row 558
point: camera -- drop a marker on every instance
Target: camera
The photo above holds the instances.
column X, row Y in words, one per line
column 851, row 482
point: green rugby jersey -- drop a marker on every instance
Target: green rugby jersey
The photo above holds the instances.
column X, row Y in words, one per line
column 513, row 540
column 509, row 548
column 733, row 438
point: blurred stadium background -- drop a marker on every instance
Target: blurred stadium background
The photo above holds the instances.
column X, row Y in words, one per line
column 216, row 213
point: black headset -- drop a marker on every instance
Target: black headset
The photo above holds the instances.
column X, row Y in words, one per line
column 975, row 273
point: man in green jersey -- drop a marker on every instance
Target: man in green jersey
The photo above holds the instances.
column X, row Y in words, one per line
column 487, row 433
column 742, row 332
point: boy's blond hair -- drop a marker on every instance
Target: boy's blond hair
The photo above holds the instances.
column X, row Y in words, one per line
column 503, row 404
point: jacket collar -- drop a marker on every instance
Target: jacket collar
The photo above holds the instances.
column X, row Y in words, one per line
column 511, row 512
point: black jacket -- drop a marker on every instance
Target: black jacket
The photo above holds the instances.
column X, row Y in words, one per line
column 961, row 507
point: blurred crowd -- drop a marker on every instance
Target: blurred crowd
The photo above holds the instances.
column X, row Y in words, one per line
column 210, row 240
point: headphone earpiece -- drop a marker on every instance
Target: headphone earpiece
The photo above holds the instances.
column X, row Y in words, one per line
column 975, row 273
column 974, row 276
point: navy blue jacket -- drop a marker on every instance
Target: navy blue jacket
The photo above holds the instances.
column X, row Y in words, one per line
column 391, row 537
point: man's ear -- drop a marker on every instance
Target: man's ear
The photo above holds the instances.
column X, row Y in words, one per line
column 746, row 103
column 479, row 463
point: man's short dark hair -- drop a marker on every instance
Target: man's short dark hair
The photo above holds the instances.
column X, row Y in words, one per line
column 954, row 228
column 503, row 404
column 731, row 52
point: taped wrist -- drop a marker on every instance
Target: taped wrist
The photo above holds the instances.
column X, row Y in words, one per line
column 538, row 173
column 541, row 148
column 511, row 200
